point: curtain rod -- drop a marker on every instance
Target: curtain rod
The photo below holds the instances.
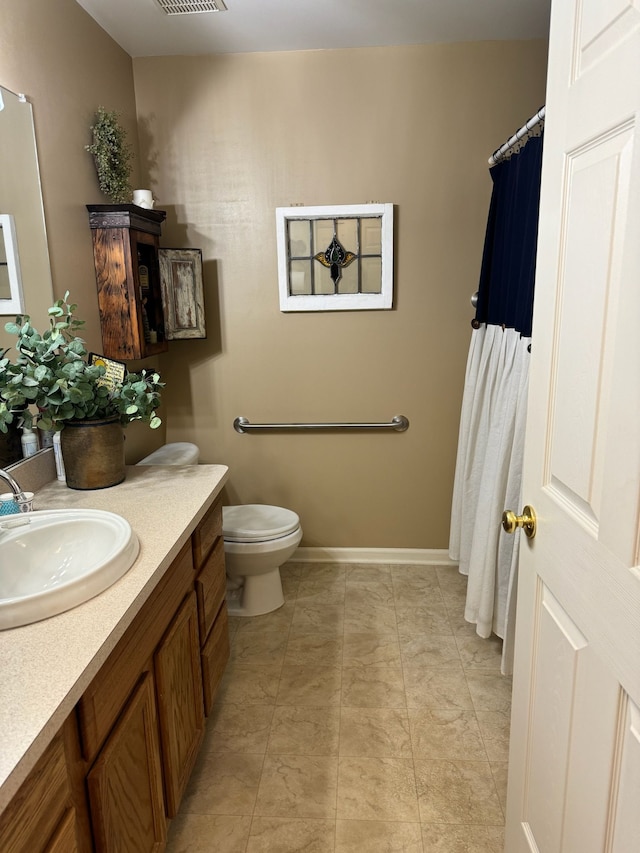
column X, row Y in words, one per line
column 499, row 153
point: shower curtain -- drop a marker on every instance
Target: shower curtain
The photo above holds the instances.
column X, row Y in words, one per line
column 491, row 438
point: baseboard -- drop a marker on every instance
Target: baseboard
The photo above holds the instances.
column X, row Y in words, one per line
column 415, row 556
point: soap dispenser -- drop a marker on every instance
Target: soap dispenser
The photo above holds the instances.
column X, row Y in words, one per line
column 29, row 442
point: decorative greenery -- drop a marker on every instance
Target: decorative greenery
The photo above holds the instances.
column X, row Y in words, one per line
column 51, row 373
column 112, row 155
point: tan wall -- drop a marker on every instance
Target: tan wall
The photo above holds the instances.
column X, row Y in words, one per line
column 228, row 139
column 67, row 66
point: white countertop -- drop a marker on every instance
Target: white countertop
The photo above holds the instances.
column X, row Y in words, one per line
column 45, row 667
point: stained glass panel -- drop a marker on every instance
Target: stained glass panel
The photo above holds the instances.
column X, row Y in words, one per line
column 335, row 258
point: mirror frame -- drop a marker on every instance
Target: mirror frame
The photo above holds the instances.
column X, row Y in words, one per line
column 15, row 303
column 22, row 199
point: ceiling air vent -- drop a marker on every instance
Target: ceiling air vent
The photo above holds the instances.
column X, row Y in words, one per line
column 190, row 7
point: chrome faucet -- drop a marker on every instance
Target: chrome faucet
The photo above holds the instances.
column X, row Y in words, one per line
column 18, row 495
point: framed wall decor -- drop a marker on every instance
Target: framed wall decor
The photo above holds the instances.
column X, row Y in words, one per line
column 335, row 258
column 182, row 293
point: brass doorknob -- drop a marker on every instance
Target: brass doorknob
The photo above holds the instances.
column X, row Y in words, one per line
column 511, row 521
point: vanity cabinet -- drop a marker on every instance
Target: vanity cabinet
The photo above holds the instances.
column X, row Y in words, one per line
column 142, row 718
column 125, row 253
column 113, row 777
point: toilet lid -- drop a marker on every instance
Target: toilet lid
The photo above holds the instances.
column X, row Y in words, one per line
column 257, row 522
column 176, row 453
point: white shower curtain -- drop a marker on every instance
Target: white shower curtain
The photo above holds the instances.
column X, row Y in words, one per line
column 492, row 424
column 488, row 479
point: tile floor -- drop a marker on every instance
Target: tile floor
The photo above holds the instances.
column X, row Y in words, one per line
column 364, row 716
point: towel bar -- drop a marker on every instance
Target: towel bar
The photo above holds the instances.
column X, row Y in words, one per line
column 398, row 423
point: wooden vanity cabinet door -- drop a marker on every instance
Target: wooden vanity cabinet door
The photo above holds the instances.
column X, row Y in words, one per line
column 215, row 654
column 125, row 783
column 180, row 705
column 33, row 815
column 64, row 838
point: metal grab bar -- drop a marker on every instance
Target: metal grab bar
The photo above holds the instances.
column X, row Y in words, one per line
column 398, row 423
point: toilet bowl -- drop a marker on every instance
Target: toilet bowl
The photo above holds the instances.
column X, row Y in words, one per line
column 258, row 539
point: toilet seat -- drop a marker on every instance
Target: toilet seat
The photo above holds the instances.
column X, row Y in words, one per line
column 257, row 523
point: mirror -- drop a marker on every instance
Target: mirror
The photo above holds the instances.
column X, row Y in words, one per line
column 23, row 247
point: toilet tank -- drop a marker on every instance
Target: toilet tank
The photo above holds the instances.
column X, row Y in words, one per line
column 176, row 453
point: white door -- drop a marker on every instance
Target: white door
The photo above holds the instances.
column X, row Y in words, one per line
column 574, row 772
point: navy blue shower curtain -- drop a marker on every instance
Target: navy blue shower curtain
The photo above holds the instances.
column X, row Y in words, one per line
column 505, row 293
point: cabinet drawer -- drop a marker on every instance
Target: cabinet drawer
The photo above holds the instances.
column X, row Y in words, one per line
column 34, row 813
column 101, row 703
column 215, row 654
column 206, row 533
column 211, row 586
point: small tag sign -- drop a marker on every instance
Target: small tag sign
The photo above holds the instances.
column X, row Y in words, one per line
column 115, row 370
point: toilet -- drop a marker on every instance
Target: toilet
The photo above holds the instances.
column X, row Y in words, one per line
column 258, row 539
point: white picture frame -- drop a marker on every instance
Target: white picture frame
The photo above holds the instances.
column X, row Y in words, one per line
column 382, row 300
column 9, row 260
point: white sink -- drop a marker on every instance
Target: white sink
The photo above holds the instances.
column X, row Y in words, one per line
column 53, row 560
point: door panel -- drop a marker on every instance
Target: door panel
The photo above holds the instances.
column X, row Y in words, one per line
column 602, row 26
column 594, row 214
column 626, row 825
column 558, row 639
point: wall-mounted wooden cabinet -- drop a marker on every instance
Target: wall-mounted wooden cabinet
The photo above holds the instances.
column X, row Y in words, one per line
column 125, row 252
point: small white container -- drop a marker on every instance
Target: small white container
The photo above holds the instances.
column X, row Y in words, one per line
column 29, row 442
column 57, row 453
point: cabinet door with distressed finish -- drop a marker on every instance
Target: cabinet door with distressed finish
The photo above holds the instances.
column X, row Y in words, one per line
column 125, row 783
column 180, row 703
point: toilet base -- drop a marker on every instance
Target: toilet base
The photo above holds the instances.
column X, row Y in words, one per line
column 254, row 595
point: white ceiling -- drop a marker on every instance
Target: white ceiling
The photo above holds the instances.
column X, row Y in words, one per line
column 143, row 29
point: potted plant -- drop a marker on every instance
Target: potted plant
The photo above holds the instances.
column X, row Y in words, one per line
column 63, row 391
column 112, row 155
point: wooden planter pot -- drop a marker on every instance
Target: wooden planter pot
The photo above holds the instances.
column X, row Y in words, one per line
column 93, row 453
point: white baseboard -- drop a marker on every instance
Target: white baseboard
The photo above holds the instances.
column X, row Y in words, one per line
column 415, row 556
